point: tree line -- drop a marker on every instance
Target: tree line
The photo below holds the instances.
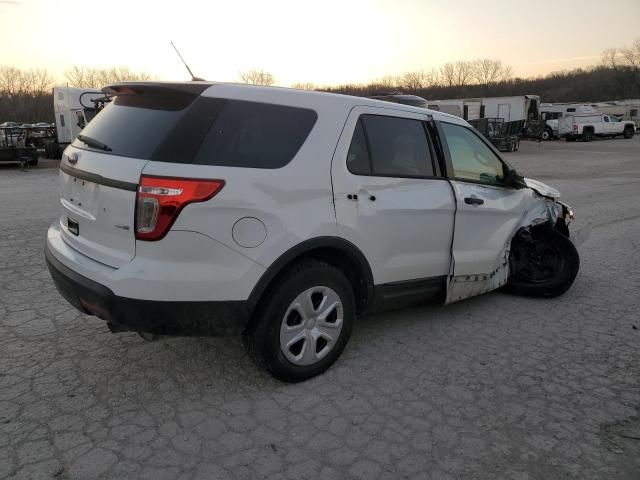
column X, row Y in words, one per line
column 25, row 95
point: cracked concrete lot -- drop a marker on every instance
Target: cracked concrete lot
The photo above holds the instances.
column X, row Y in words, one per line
column 495, row 387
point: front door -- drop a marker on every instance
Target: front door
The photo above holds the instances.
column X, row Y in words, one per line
column 389, row 201
column 488, row 211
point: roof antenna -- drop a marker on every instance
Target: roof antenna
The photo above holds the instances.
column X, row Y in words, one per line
column 193, row 77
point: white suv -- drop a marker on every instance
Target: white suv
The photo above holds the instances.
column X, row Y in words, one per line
column 280, row 214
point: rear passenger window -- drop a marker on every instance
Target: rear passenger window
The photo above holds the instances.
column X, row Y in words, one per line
column 255, row 135
column 390, row 147
column 358, row 157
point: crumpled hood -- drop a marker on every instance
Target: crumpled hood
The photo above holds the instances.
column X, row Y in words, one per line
column 542, row 188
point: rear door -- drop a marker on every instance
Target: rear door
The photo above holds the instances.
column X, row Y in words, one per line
column 389, row 201
column 100, row 171
column 488, row 212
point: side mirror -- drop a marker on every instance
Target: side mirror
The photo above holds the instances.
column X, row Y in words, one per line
column 513, row 179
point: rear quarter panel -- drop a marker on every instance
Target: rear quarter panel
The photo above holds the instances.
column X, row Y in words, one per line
column 294, row 203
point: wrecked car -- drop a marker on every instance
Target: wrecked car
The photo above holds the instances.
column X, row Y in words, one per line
column 280, row 215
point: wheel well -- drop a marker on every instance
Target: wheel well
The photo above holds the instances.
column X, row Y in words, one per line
column 587, row 129
column 348, row 266
column 341, row 254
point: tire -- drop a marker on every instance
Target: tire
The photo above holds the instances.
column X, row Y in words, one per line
column 547, row 134
column 587, row 136
column 290, row 310
column 542, row 263
column 33, row 162
column 628, row 133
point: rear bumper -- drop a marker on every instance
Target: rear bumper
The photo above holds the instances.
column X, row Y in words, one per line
column 201, row 318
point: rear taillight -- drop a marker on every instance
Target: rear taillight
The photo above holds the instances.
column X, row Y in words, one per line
column 575, row 127
column 159, row 200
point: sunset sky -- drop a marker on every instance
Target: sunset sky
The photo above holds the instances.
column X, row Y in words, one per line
column 324, row 42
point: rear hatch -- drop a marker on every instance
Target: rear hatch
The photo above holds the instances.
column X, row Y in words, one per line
column 100, row 171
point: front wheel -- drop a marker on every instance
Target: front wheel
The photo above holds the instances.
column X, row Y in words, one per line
column 303, row 322
column 543, row 262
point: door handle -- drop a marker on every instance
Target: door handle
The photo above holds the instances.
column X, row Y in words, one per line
column 473, row 201
column 354, row 196
column 370, row 196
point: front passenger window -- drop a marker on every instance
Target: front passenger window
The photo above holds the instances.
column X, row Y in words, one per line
column 471, row 158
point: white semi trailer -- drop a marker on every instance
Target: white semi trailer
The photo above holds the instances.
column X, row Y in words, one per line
column 73, row 109
column 466, row 108
column 510, row 109
column 523, row 109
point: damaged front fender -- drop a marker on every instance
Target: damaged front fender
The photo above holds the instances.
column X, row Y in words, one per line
column 539, row 206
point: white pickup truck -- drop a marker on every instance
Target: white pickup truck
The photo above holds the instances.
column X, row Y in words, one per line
column 586, row 127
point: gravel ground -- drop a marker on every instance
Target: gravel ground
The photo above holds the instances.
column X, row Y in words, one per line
column 495, row 387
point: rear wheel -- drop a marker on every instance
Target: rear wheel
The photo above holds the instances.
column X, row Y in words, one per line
column 543, row 262
column 587, row 136
column 628, row 132
column 547, row 134
column 303, row 323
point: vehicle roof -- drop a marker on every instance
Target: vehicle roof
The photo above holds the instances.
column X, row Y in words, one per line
column 284, row 94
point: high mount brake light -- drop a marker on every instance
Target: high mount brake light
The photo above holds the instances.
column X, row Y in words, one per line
column 160, row 200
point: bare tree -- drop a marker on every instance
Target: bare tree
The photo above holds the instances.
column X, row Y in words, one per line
column 25, row 95
column 631, row 55
column 304, row 86
column 610, row 57
column 413, row 81
column 432, row 78
column 463, row 72
column 625, row 62
column 386, row 83
column 488, row 72
column 448, row 74
column 10, row 79
column 257, row 77
column 87, row 77
column 419, row 80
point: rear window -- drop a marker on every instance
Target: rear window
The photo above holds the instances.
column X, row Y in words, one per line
column 255, row 135
column 134, row 125
column 183, row 128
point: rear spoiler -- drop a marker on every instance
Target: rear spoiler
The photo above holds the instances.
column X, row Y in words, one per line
column 124, row 88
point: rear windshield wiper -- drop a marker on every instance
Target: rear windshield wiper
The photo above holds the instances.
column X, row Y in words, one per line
column 93, row 143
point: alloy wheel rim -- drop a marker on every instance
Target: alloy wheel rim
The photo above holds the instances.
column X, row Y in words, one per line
column 311, row 326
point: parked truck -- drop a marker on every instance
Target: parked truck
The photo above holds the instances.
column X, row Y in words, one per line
column 587, row 127
column 623, row 109
column 73, row 109
column 552, row 112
